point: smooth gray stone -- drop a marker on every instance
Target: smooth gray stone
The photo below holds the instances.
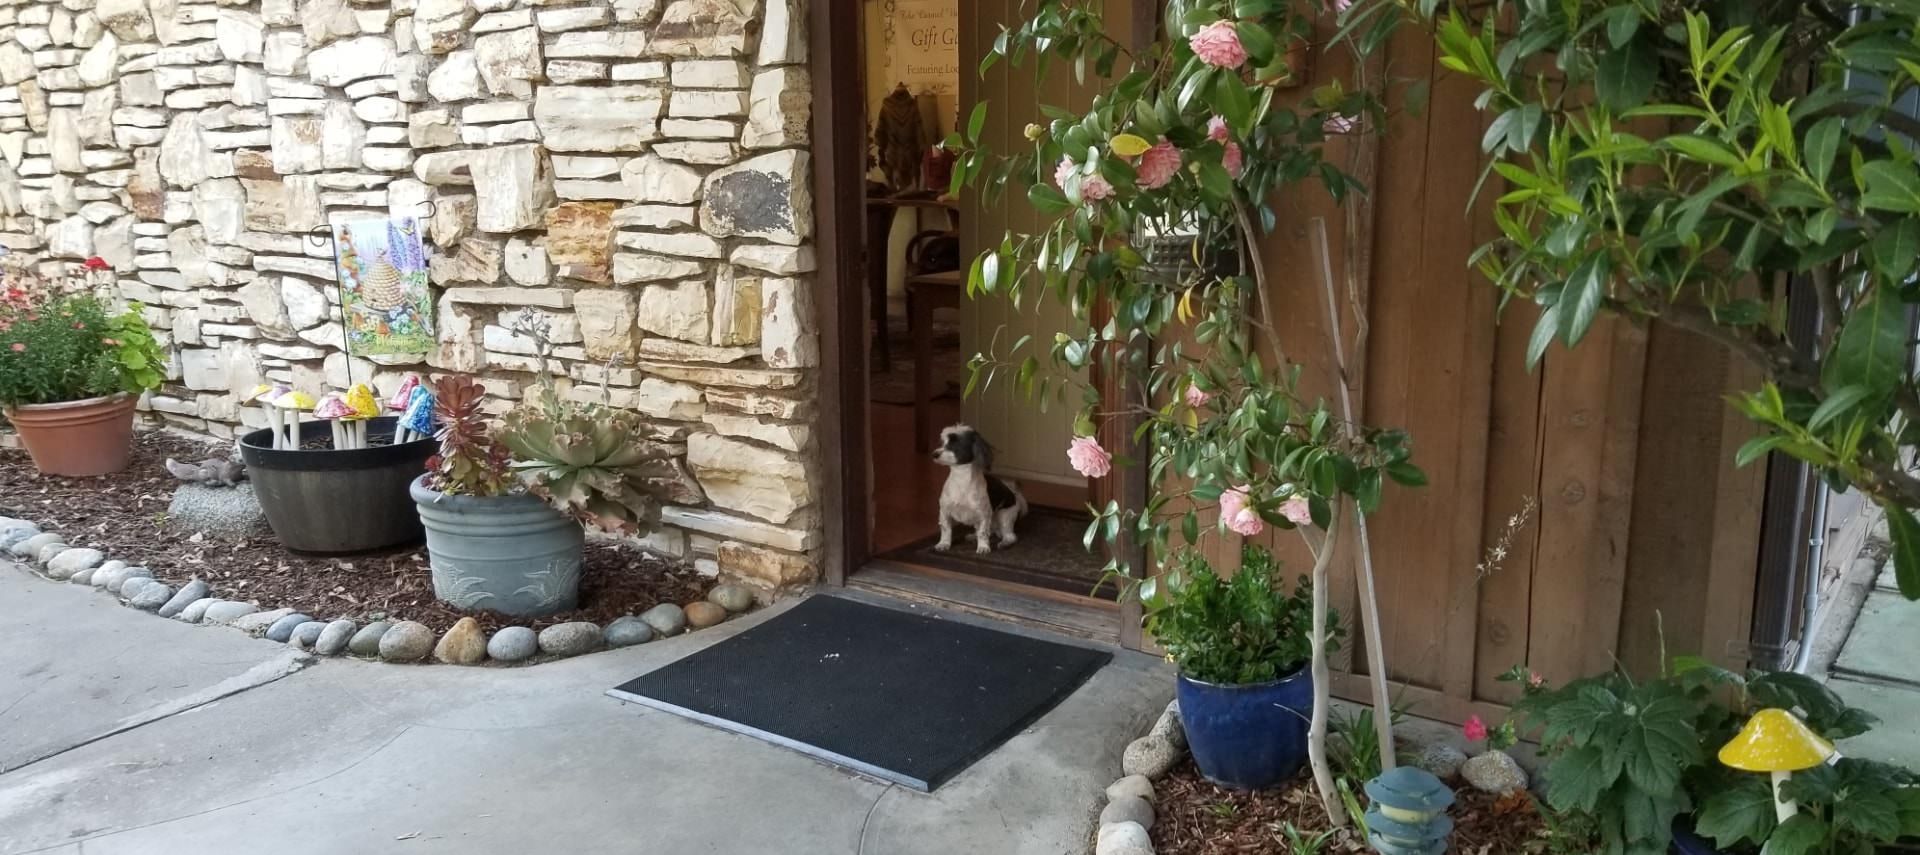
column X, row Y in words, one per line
column 406, row 641
column 118, row 578
column 734, row 598
column 571, row 639
column 151, row 597
column 31, row 546
column 196, row 610
column 10, row 522
column 84, row 577
column 226, row 612
column 105, row 571
column 513, row 644
column 11, row 536
column 1128, row 809
column 667, row 620
column 306, row 634
column 258, row 622
column 133, row 586
column 627, row 632
column 189, row 593
column 282, row 629
column 72, row 561
column 366, row 642
column 49, row 552
column 333, row 639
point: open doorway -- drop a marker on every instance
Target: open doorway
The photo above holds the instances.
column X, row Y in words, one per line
column 921, row 330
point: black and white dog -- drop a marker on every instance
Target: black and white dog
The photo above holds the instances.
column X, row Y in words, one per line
column 972, row 497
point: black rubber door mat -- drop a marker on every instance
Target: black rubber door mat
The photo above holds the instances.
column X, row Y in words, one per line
column 904, row 697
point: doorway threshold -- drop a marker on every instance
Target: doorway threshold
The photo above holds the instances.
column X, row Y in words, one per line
column 1051, row 611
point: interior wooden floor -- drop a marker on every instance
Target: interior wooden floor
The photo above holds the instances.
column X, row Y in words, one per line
column 906, row 481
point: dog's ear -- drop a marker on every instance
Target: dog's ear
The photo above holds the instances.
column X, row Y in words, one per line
column 982, row 451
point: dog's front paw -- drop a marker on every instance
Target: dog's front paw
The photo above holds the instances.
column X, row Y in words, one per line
column 942, row 546
column 1009, row 540
column 982, row 547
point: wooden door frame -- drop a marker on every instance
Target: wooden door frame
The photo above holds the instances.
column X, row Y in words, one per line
column 836, row 57
column 835, row 54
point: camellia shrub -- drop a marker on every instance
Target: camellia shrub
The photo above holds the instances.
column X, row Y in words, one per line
column 1693, row 163
column 1181, row 151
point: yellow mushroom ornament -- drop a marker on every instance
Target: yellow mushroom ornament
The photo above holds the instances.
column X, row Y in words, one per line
column 1777, row 742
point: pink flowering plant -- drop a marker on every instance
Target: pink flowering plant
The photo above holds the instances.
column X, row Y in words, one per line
column 1193, row 138
column 61, row 342
column 1183, row 153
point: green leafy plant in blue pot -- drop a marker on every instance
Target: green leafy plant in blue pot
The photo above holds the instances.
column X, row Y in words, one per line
column 1242, row 645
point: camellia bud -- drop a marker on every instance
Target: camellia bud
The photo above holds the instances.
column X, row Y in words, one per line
column 1035, row 132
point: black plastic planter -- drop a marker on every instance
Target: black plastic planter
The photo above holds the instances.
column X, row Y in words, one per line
column 332, row 502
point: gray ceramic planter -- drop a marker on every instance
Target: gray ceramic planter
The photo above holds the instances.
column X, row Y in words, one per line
column 509, row 554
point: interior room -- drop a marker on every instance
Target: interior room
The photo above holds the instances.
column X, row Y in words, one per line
column 924, row 331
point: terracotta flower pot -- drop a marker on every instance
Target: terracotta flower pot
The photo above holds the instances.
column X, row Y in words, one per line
column 90, row 437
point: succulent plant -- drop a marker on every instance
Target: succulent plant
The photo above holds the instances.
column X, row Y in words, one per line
column 587, row 460
column 471, row 461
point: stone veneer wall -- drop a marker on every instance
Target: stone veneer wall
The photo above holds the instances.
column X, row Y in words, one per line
column 635, row 169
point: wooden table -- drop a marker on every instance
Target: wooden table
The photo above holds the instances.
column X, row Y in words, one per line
column 880, row 215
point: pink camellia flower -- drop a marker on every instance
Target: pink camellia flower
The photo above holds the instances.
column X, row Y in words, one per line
column 1474, row 729
column 1246, row 523
column 1341, row 6
column 1238, row 513
column 1296, row 510
column 1088, row 458
column 1217, row 129
column 1158, row 165
column 1231, row 160
column 1197, row 397
column 19, row 347
column 1218, row 44
column 1534, row 680
column 1338, row 124
column 1093, row 188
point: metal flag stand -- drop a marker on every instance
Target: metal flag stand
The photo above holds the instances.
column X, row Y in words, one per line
column 322, row 236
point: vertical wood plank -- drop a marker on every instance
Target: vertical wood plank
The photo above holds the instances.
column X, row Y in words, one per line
column 1503, row 614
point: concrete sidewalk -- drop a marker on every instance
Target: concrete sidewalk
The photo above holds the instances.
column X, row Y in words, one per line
column 349, row 756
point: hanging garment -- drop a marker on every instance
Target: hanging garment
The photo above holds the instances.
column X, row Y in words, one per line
column 900, row 138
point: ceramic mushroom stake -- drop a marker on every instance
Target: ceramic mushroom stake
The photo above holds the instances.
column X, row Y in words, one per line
column 333, row 409
column 418, row 420
column 360, row 399
column 292, row 404
column 1778, row 743
column 264, row 395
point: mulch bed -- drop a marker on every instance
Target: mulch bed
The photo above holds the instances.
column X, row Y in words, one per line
column 124, row 515
column 1194, row 817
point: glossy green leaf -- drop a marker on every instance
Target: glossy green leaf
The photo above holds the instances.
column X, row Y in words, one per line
column 1872, row 347
column 1890, row 186
column 1904, row 531
column 1624, row 76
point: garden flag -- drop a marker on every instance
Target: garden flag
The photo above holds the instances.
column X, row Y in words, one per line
column 385, row 303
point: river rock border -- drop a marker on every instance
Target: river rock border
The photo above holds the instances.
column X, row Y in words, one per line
column 1128, row 813
column 465, row 643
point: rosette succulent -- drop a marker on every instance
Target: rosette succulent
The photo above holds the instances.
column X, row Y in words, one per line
column 587, row 460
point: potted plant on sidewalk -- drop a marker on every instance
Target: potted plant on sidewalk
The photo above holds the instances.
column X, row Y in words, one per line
column 503, row 507
column 1243, row 647
column 72, row 368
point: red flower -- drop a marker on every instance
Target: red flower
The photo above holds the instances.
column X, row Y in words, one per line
column 97, row 263
column 79, row 326
column 1474, row 729
column 19, row 347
